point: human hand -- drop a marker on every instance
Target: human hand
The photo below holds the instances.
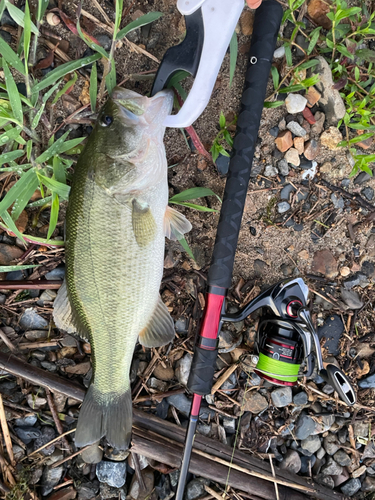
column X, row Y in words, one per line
column 253, row 4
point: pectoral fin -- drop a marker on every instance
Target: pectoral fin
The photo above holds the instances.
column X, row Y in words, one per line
column 144, row 225
column 160, row 329
column 175, row 224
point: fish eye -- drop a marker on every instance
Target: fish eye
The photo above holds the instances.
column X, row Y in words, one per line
column 106, row 120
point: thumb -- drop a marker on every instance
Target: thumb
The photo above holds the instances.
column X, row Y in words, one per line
column 253, row 4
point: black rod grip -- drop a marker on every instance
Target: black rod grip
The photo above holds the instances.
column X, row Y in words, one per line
column 266, row 26
column 202, row 371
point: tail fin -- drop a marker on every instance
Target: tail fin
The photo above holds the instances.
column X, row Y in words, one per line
column 105, row 414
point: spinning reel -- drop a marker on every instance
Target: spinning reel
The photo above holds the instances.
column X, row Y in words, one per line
column 286, row 337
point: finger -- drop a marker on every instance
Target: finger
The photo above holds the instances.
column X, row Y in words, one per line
column 253, row 4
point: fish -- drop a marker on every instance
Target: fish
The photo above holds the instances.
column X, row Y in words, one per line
column 116, row 223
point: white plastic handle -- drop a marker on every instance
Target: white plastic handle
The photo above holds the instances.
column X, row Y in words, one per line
column 220, row 18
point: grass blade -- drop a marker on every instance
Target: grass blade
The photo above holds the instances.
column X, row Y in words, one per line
column 10, row 135
column 119, row 7
column 9, row 223
column 193, row 194
column 275, row 104
column 233, row 49
column 11, row 57
column 65, row 88
column 8, row 269
column 54, row 215
column 59, row 170
column 63, row 70
column 141, row 21
column 11, row 156
column 194, row 206
column 27, row 34
column 93, row 87
column 46, row 96
column 55, row 186
column 13, row 94
column 110, row 79
column 186, row 247
column 16, row 191
column 24, row 197
column 42, row 7
column 58, row 147
column 19, row 17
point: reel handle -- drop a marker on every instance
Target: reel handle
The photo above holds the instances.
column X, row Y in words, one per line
column 338, row 380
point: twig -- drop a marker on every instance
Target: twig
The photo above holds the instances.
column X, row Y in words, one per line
column 49, row 443
column 274, row 475
column 213, row 493
column 7, row 342
column 220, row 381
column 56, row 419
column 63, row 460
column 5, row 429
column 137, row 469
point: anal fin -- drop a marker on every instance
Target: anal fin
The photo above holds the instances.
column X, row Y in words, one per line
column 160, row 329
column 175, row 224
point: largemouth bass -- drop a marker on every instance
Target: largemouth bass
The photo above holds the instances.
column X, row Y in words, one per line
column 116, row 223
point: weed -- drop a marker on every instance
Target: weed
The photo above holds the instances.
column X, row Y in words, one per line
column 223, row 136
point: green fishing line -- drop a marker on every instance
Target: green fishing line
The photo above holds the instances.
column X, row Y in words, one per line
column 278, row 369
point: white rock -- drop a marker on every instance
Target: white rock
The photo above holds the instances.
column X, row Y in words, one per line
column 311, row 172
column 279, row 53
column 295, row 103
column 270, row 171
column 182, row 369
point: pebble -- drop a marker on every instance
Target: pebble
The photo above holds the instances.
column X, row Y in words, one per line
column 305, row 426
column 367, row 383
column 108, row 492
column 296, row 129
column 274, row 131
column 27, row 434
column 295, row 103
column 292, row 157
column 320, row 453
column 368, row 193
column 56, row 274
column 195, row 489
column 270, row 171
column 331, row 102
column 351, row 487
column 286, row 191
column 48, row 433
column 318, row 126
column 182, row 369
column 162, row 373
column 312, row 96
column 361, row 178
column 64, row 494
column 283, row 207
column 324, row 263
column 279, row 53
column 283, row 167
column 342, row 458
column 307, row 463
column 331, row 468
column 28, row 421
column 50, row 478
column 368, row 269
column 368, row 484
column 183, row 404
column 337, row 201
column 291, row 462
column 299, row 144
column 330, row 443
column 281, row 397
column 30, row 320
column 300, row 399
column 135, row 490
column 311, row 149
column 344, row 271
column 112, row 473
column 361, row 429
column 311, row 443
column 331, row 137
column 332, row 331
column 306, row 164
column 254, row 402
column 228, row 341
column 354, row 280
column 157, row 385
column 284, row 141
column 47, row 296
column 7, row 20
column 351, row 299
column 259, row 267
column 222, row 164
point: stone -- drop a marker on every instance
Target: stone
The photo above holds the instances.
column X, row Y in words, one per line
column 311, row 444
column 368, row 269
column 296, row 129
column 307, row 463
column 222, row 164
column 64, row 494
column 56, row 274
column 284, row 141
column 332, row 330
column 195, row 489
column 50, row 478
column 331, row 137
column 342, row 458
column 79, row 369
column 324, row 480
column 330, row 443
column 135, row 490
column 279, row 53
column 354, row 280
column 351, row 298
column 9, row 253
column 47, row 296
column 361, row 429
column 292, row 157
column 331, row 468
column 305, row 427
column 254, row 402
column 337, row 201
column 27, row 421
column 162, row 373
column 361, row 178
column 312, row 96
column 112, row 473
column 87, row 491
column 331, row 102
column 291, row 462
column 27, row 434
column 324, row 263
column 157, row 385
column 283, row 167
column 351, row 487
column 311, row 149
column 344, row 271
column 317, row 127
column 283, row 207
column 320, row 453
column 228, row 341
column 270, row 171
column 300, row 399
column 274, row 131
column 247, row 22
column 304, row 255
column 182, row 369
column 368, row 193
column 299, row 145
column 35, row 402
column 30, row 320
column 183, row 404
column 368, row 484
column 318, row 10
column 48, row 433
column 259, row 267
column 281, row 397
column 295, row 103
column 286, row 191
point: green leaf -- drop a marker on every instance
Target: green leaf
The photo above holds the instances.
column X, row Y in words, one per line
column 40, row 203
column 343, row 50
column 228, row 138
column 177, row 77
column 314, row 37
column 27, row 34
column 13, row 94
column 119, row 6
column 10, row 135
column 193, row 194
column 91, row 43
column 348, row 13
column 287, row 16
column 42, row 6
column 16, row 191
column 29, row 147
column 46, row 96
column 366, row 169
column 11, row 156
column 19, row 17
column 24, row 196
column 54, row 186
column 367, row 54
column 93, row 87
column 9, row 222
column 275, row 77
column 54, row 215
column 193, row 206
column 292, row 88
column 329, row 43
column 297, row 4
column 65, row 88
column 60, row 146
column 59, row 170
column 110, row 79
column 275, row 104
column 214, row 151
column 186, row 247
column 222, row 120
column 8, row 269
column 63, row 70
column 288, row 55
column 359, row 138
column 356, row 74
column 308, row 64
column 309, row 82
column 233, row 50
column 141, row 21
